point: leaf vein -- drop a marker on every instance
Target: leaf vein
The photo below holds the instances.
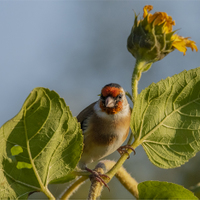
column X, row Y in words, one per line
column 187, row 115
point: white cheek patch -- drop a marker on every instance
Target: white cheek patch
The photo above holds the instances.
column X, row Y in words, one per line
column 99, row 112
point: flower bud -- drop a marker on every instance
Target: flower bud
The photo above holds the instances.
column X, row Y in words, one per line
column 148, row 41
column 151, row 38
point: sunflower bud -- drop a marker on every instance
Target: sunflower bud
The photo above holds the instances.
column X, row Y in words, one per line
column 151, row 38
column 148, row 41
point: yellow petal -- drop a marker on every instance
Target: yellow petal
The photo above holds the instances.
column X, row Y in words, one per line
column 180, row 43
column 159, row 18
column 192, row 45
column 146, row 10
column 180, row 47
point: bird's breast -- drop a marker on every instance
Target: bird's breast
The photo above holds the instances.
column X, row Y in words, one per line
column 103, row 136
column 107, row 132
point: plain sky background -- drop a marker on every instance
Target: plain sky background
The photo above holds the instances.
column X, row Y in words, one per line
column 75, row 48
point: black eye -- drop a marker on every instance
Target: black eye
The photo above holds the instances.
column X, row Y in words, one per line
column 120, row 96
column 103, row 98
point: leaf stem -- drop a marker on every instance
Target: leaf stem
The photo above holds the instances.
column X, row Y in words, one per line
column 48, row 194
column 44, row 189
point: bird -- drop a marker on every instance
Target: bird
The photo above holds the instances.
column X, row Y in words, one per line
column 105, row 125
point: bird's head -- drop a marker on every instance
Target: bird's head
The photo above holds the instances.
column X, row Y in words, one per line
column 112, row 99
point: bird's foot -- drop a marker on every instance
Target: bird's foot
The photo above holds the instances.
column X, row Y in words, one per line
column 97, row 176
column 123, row 149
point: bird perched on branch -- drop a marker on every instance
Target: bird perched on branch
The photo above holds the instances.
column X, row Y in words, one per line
column 105, row 125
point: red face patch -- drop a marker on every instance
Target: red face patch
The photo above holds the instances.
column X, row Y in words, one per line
column 112, row 91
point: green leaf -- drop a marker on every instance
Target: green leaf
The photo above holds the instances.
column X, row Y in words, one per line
column 166, row 119
column 163, row 190
column 42, row 144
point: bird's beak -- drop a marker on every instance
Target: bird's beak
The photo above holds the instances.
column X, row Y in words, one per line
column 109, row 102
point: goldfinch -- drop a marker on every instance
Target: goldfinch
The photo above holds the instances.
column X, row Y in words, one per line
column 105, row 125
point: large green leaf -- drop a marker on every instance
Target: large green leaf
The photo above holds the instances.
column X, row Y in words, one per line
column 163, row 190
column 166, row 119
column 42, row 144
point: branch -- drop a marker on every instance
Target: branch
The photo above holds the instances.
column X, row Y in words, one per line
column 96, row 187
column 127, row 181
column 122, row 175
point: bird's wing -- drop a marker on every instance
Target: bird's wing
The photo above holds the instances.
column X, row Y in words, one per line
column 85, row 114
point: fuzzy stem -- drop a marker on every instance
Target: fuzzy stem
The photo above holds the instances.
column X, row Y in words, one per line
column 134, row 84
column 72, row 188
column 95, row 189
column 127, row 181
column 139, row 66
column 122, row 175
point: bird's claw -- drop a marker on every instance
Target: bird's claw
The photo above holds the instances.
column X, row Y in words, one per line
column 123, row 149
column 97, row 176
